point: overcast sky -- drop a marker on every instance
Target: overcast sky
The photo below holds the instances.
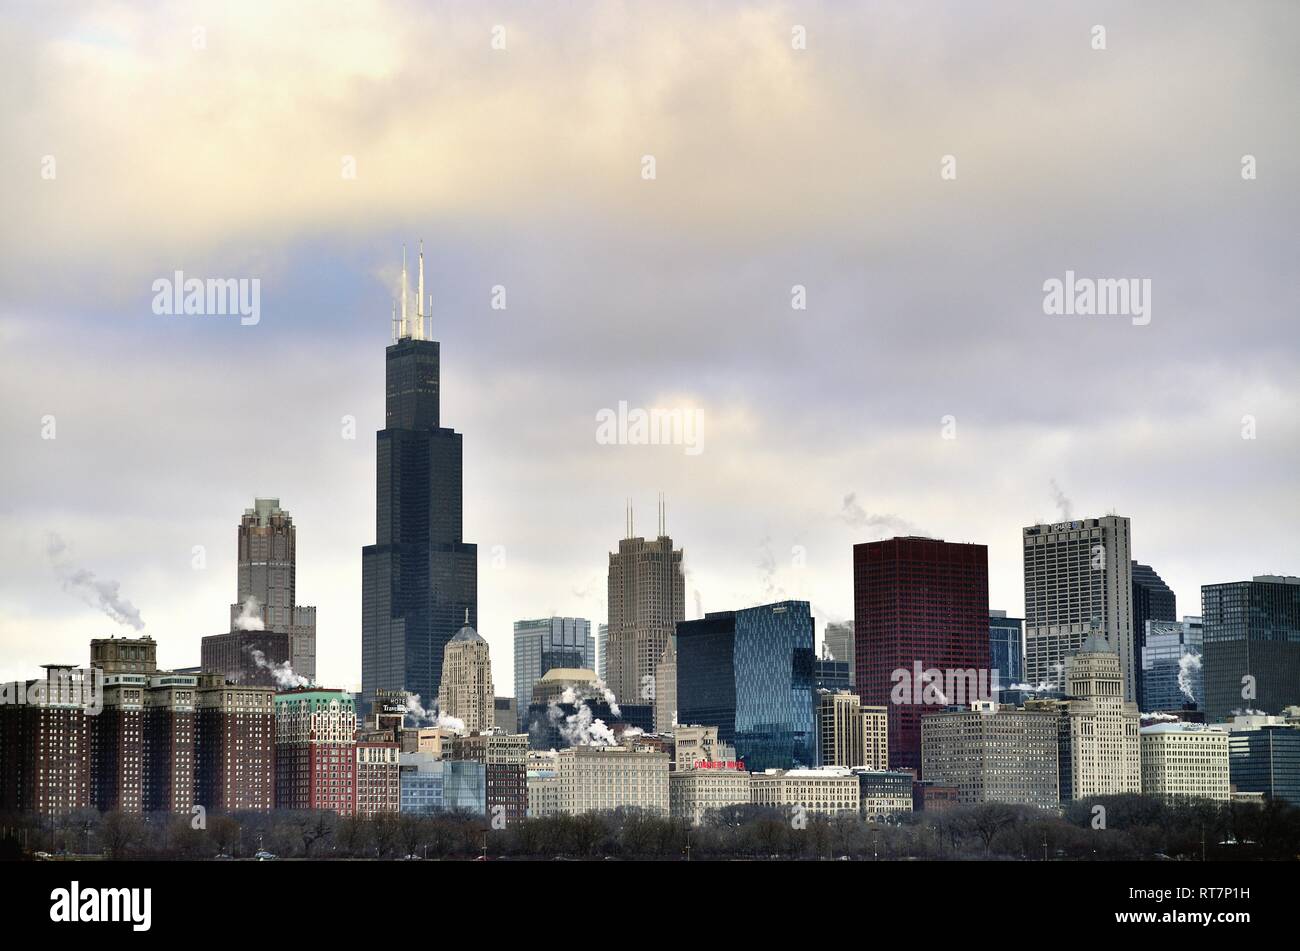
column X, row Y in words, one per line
column 214, row 138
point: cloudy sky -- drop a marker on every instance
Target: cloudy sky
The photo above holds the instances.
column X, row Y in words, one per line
column 217, row 139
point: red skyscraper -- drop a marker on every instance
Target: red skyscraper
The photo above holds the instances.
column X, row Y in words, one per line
column 921, row 605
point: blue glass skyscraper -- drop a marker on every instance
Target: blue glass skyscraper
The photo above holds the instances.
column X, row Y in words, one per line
column 1007, row 648
column 750, row 673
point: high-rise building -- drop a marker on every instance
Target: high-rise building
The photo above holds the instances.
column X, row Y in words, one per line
column 992, row 754
column 920, row 605
column 466, row 690
column 1099, row 751
column 315, row 750
column 1076, row 572
column 1252, row 645
column 1007, row 648
column 170, row 778
column 117, row 745
column 841, row 729
column 1185, row 760
column 251, row 658
column 543, row 644
column 647, row 597
column 420, row 577
column 234, row 746
column 45, row 744
column 1264, row 757
column 666, row 688
column 267, row 553
column 750, row 674
column 832, row 675
column 1153, row 600
column 1173, row 675
column 875, row 738
column 838, row 639
column 505, row 714
column 378, row 782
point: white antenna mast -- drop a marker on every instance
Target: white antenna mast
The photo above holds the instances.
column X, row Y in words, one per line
column 419, row 301
column 405, row 327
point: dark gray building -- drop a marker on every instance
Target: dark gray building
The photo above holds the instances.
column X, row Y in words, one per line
column 1251, row 631
column 1264, row 757
column 420, row 578
column 1153, row 600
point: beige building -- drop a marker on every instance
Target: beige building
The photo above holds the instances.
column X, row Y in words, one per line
column 1185, row 759
column 1099, row 750
column 694, row 744
column 993, row 754
column 466, row 690
column 875, row 738
column 666, row 688
column 435, row 740
column 647, row 597
column 692, row 793
column 604, row 778
column 827, row 791
column 543, row 784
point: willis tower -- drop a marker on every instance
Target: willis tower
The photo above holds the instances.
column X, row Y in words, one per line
column 420, row 579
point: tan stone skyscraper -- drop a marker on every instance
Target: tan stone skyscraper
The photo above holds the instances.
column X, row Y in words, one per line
column 647, row 597
column 1102, row 756
column 466, row 689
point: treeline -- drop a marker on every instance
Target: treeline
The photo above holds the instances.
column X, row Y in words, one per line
column 1108, row 828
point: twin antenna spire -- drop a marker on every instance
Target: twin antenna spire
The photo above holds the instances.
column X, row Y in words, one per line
column 413, row 325
column 663, row 517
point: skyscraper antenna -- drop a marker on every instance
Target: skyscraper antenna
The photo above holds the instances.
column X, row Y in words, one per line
column 419, row 302
column 405, row 328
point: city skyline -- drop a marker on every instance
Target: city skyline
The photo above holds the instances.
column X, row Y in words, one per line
column 171, row 413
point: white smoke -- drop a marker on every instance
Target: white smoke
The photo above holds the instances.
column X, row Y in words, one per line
column 609, row 698
column 582, row 727
column 250, row 617
column 423, row 717
column 1161, row 717
column 1064, row 506
column 282, row 673
column 1188, row 664
column 98, row 593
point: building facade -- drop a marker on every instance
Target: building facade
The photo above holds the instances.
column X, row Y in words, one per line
column 466, row 691
column 828, row 791
column 1153, row 600
column 665, row 698
column 1252, row 645
column 1173, row 672
column 1076, row 572
column 993, row 754
column 694, row 793
column 1264, row 757
column 883, row 793
column 1007, row 648
column 419, row 581
column 234, row 746
column 1185, row 760
column 315, row 750
column 605, row 778
column 838, row 638
column 920, row 604
column 647, row 597
column 504, row 757
column 1099, row 752
column 750, row 674
column 378, row 777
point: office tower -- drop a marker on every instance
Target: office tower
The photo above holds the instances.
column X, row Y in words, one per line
column 234, row 746
column 315, row 750
column 1007, row 648
column 430, row 785
column 992, row 754
column 1264, row 757
column 1099, row 730
column 605, row 778
column 45, row 744
column 1185, row 759
column 1252, row 645
column 267, row 554
column 694, row 793
column 831, row 675
column 1173, row 675
column 544, row 644
column 117, row 745
column 170, row 778
column 466, row 690
column 1153, row 600
column 883, row 793
column 750, row 674
column 647, row 597
column 840, row 729
column 248, row 657
column 666, row 688
column 828, row 791
column 920, row 605
column 505, row 762
column 602, row 652
column 1075, row 572
column 839, row 642
column 420, row 577
column 875, row 738
column 124, row 655
column 378, row 772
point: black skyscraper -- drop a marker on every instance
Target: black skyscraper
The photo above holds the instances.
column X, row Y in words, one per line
column 1153, row 600
column 420, row 577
